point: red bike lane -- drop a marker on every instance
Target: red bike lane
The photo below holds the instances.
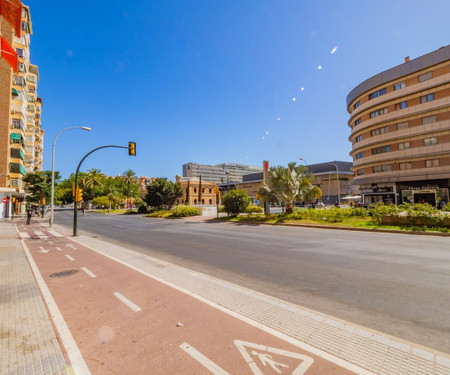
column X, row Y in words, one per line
column 125, row 322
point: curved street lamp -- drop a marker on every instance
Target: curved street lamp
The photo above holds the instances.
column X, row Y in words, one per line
column 53, row 166
column 338, row 190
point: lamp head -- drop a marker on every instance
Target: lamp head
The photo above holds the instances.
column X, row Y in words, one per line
column 86, row 128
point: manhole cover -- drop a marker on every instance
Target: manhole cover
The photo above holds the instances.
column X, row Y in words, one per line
column 64, row 273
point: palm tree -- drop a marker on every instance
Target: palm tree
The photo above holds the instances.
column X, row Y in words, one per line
column 289, row 184
column 94, row 178
column 129, row 178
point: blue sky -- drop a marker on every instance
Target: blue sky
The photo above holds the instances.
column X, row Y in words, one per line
column 213, row 81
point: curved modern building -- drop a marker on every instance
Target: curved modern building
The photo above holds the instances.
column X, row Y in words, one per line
column 400, row 132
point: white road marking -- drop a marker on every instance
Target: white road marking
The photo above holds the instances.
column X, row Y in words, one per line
column 266, row 359
column 204, row 361
column 24, row 235
column 127, row 302
column 58, row 248
column 76, row 359
column 50, row 242
column 43, row 250
column 93, row 275
column 40, row 234
column 71, row 246
column 56, row 234
column 70, row 258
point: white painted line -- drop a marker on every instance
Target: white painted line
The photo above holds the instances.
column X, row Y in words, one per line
column 50, row 242
column 76, row 359
column 204, row 361
column 40, row 234
column 127, row 302
column 300, row 344
column 24, row 235
column 56, row 234
column 58, row 248
column 71, row 246
column 93, row 275
column 70, row 258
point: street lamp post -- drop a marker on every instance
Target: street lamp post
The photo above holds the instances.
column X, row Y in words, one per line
column 338, row 189
column 306, row 164
column 53, row 166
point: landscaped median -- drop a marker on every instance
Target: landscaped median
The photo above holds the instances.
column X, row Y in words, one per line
column 416, row 218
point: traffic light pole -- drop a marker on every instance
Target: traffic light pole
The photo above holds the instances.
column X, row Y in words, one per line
column 75, row 212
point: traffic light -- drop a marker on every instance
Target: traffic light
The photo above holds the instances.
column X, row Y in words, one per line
column 132, row 148
column 79, row 196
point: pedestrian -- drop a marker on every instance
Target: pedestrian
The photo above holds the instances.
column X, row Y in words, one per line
column 29, row 216
column 84, row 211
column 442, row 204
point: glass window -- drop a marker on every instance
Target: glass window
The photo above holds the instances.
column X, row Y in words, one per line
column 360, row 172
column 402, row 125
column 404, row 166
column 401, row 105
column 430, row 141
column 359, row 138
column 378, row 112
column 427, row 98
column 400, row 85
column 403, row 146
column 359, row 155
column 428, row 120
column 357, row 104
column 432, row 163
column 358, row 121
column 377, row 93
column 382, row 130
column 380, row 150
column 425, row 76
column 19, row 52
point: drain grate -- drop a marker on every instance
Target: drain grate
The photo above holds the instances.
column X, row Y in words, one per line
column 64, row 273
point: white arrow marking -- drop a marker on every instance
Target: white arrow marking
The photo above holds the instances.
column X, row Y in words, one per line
column 266, row 359
column 70, row 258
column 58, row 248
column 43, row 250
column 127, row 302
column 71, row 246
column 200, row 358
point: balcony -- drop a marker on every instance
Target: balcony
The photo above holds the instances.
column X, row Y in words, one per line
column 19, row 81
column 17, row 168
column 17, row 124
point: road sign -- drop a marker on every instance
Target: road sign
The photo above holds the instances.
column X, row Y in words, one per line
column 4, row 200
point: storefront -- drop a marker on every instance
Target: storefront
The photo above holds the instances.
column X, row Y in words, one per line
column 417, row 192
column 378, row 194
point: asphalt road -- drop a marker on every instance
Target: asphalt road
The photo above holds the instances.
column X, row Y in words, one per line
column 395, row 283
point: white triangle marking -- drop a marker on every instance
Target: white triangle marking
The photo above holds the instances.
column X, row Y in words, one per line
column 266, row 360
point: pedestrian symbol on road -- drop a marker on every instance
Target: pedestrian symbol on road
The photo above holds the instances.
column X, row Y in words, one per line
column 274, row 361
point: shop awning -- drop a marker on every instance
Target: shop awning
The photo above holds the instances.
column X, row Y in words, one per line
column 16, row 136
column 14, row 91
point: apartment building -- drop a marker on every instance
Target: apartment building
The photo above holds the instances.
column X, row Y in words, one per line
column 220, row 173
column 21, row 135
column 400, row 132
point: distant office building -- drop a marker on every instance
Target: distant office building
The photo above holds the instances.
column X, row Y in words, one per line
column 21, row 135
column 400, row 131
column 220, row 173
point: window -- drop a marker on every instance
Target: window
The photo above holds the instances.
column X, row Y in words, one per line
column 203, row 190
column 380, row 150
column 358, row 121
column 195, row 190
column 432, row 163
column 359, row 155
column 19, row 81
column 210, row 201
column 359, row 138
column 401, row 105
column 382, row 168
column 428, row 119
column 404, row 166
column 19, row 52
column 378, row 113
column 360, row 172
column 400, row 85
column 203, row 201
column 195, row 201
column 403, row 146
column 382, row 130
column 377, row 93
column 24, row 26
column 357, row 104
column 402, row 125
column 430, row 141
column 425, row 76
column 427, row 98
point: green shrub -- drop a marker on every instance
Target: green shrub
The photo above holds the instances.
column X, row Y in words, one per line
column 143, row 209
column 446, row 207
column 221, row 208
column 254, row 210
column 235, row 202
column 184, row 211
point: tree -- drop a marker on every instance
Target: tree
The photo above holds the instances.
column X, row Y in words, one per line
column 129, row 178
column 163, row 193
column 39, row 185
column 235, row 202
column 94, row 178
column 289, row 184
column 102, row 202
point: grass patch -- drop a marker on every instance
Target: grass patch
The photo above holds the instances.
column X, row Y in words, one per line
column 110, row 212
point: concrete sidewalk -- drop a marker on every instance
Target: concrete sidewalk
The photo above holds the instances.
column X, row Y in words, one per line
column 28, row 342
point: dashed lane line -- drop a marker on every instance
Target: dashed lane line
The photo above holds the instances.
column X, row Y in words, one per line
column 70, row 258
column 127, row 302
column 204, row 361
column 58, row 248
column 93, row 275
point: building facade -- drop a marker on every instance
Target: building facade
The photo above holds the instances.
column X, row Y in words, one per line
column 400, row 132
column 220, row 173
column 196, row 191
column 21, row 135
